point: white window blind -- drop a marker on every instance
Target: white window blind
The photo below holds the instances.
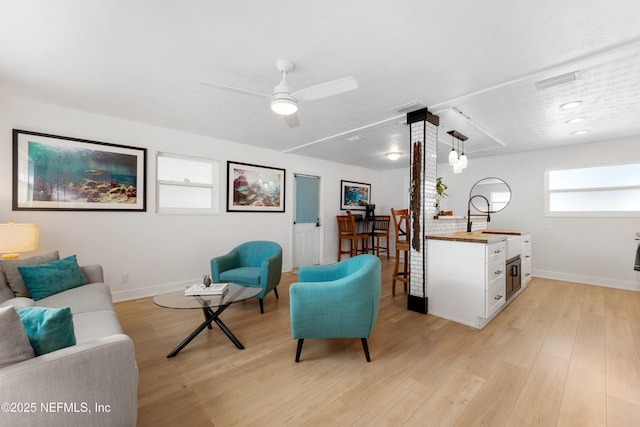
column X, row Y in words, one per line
column 596, row 191
column 186, row 185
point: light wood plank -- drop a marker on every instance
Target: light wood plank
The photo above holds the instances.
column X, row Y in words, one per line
column 539, row 402
column 621, row 413
column 622, row 357
column 444, row 406
column 495, row 400
column 397, row 406
column 584, row 397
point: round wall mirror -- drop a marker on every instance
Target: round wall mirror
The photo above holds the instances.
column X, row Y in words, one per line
column 496, row 192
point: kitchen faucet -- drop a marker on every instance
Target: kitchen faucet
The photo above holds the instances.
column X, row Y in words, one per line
column 469, row 211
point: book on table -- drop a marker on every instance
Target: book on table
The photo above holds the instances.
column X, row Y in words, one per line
column 201, row 289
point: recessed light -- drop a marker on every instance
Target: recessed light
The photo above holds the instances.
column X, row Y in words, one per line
column 571, row 104
column 580, row 132
column 394, row 155
column 575, row 120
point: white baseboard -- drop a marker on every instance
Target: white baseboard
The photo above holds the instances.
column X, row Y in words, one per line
column 590, row 280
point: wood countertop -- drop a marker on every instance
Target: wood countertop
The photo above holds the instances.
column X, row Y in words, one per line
column 478, row 236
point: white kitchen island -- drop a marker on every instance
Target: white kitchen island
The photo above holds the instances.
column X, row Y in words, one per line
column 467, row 274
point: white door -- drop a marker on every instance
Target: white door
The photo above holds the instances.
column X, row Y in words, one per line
column 306, row 222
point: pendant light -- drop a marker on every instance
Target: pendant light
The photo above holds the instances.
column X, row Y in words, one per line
column 453, row 155
column 458, row 161
column 463, row 158
column 457, row 168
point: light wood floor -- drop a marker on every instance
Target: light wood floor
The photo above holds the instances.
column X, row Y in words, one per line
column 562, row 354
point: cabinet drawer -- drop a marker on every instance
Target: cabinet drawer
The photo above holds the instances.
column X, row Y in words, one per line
column 495, row 272
column 526, row 243
column 494, row 299
column 496, row 251
column 526, row 271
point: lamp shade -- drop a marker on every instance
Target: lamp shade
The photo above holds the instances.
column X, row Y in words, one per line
column 453, row 157
column 18, row 238
column 463, row 160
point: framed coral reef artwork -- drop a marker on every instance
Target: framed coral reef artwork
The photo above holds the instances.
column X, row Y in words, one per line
column 354, row 195
column 254, row 188
column 52, row 172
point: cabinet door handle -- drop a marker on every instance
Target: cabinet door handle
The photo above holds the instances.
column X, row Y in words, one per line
column 527, row 256
column 527, row 274
column 497, row 272
column 497, row 251
column 498, row 297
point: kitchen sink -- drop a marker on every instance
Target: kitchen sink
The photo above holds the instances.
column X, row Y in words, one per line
column 513, row 242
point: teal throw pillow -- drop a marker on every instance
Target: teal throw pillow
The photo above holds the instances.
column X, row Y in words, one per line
column 56, row 276
column 48, row 329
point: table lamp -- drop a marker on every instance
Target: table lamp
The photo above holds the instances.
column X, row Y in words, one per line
column 16, row 238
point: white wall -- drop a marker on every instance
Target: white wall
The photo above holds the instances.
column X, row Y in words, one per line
column 588, row 250
column 395, row 191
column 159, row 250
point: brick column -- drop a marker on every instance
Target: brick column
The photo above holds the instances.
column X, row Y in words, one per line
column 423, row 137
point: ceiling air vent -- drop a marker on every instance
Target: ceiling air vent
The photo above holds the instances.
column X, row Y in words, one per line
column 355, row 138
column 407, row 108
column 558, row 80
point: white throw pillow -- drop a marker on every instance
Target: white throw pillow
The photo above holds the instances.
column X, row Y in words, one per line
column 14, row 343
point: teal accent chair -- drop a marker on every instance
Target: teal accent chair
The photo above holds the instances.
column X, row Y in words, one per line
column 256, row 264
column 336, row 301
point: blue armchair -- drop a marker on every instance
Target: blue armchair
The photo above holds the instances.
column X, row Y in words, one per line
column 256, row 264
column 336, row 301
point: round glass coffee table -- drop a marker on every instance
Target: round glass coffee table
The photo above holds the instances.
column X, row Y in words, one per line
column 207, row 303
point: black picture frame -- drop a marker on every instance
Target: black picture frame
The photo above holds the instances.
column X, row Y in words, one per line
column 60, row 173
column 354, row 196
column 255, row 188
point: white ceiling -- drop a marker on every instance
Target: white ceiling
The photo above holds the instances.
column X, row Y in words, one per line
column 473, row 63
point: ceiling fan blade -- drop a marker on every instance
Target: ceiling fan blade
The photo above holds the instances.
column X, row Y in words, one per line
column 325, row 89
column 292, row 120
column 235, row 90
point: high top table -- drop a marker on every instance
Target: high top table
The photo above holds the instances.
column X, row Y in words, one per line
column 177, row 300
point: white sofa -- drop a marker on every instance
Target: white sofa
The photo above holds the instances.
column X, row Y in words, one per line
column 93, row 383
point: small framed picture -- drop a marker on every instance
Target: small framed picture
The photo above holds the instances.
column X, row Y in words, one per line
column 354, row 195
column 254, row 188
column 52, row 172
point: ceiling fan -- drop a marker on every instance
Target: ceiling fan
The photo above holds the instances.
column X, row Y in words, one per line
column 284, row 100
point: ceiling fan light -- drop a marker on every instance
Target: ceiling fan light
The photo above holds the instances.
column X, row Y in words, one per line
column 284, row 105
column 453, row 157
column 393, row 155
